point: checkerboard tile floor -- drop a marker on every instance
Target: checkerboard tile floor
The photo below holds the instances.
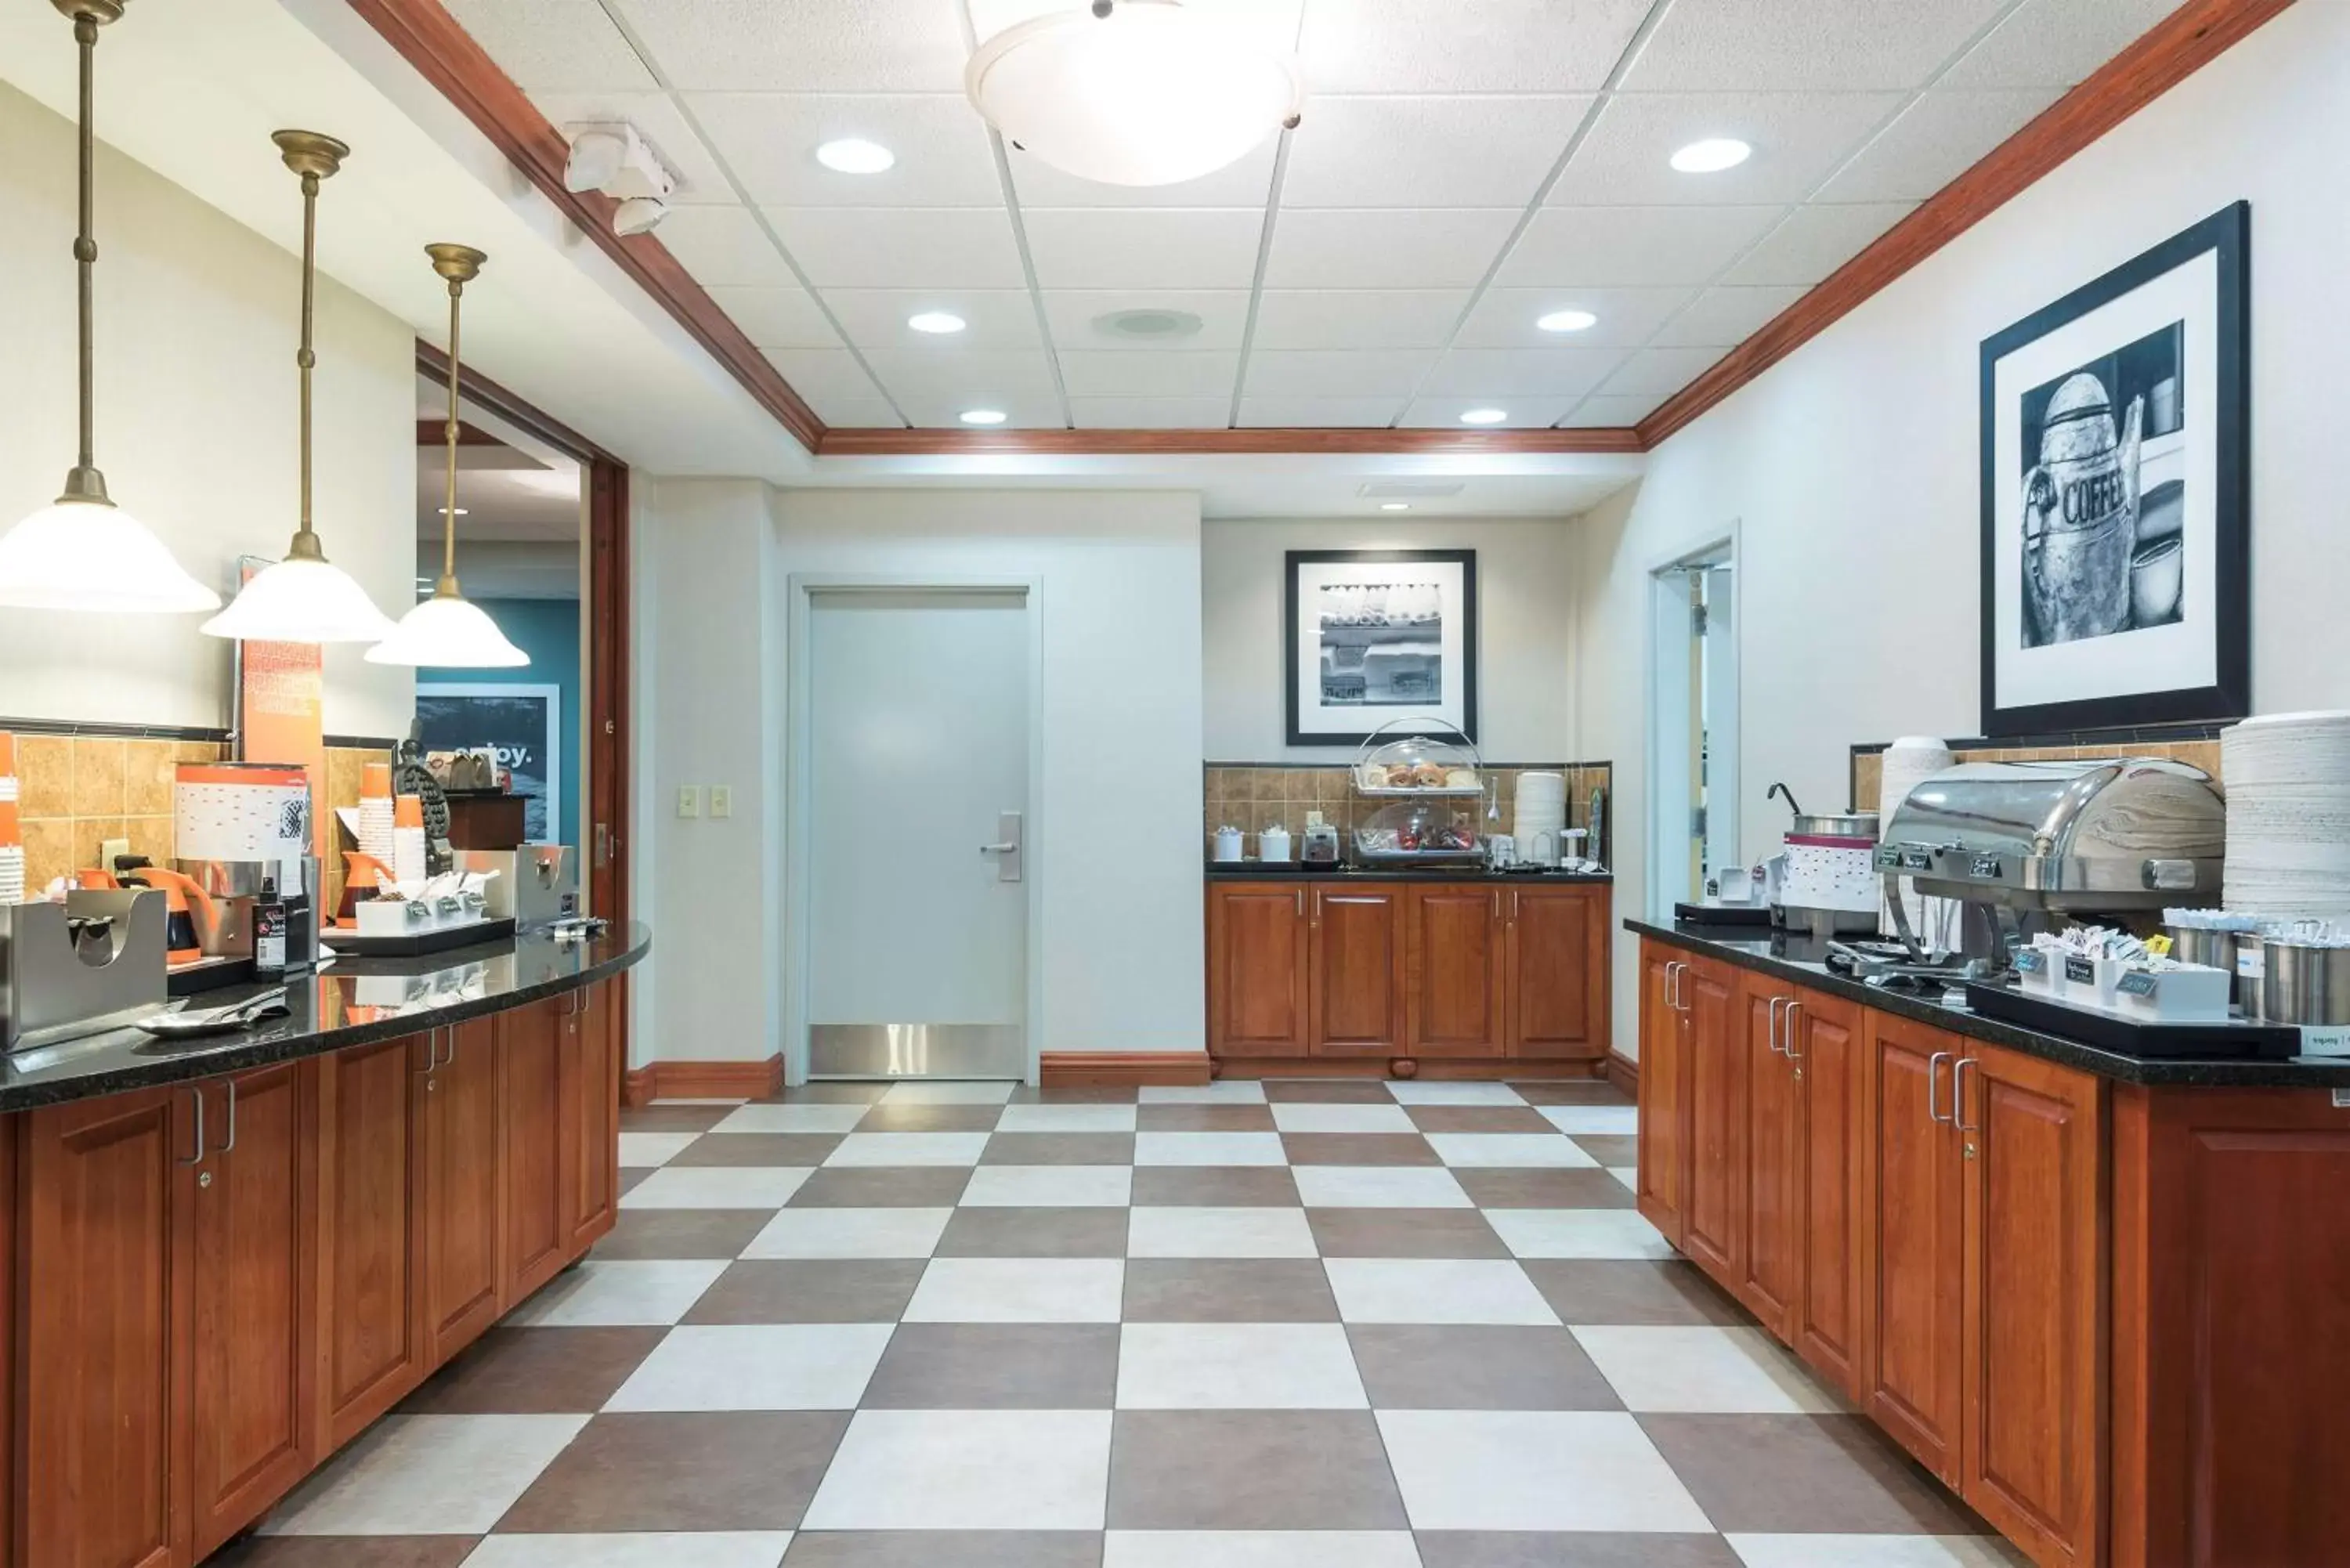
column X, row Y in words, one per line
column 1288, row 1325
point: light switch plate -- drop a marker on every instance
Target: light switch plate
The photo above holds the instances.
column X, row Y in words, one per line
column 689, row 800
column 109, row 850
column 722, row 800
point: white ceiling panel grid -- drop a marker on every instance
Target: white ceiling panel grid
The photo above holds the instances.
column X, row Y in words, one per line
column 1521, row 372
column 1357, row 317
column 725, row 247
column 1076, row 315
column 899, row 247
column 1519, row 414
column 1147, row 413
column 769, row 140
column 1336, row 372
column 1355, row 248
column 981, row 374
column 993, row 317
column 944, row 411
column 554, row 46
column 1143, row 247
column 1173, row 373
column 2055, row 43
column 1624, row 318
column 1447, row 46
column 1814, row 241
column 777, row 317
column 1938, row 138
column 1606, row 411
column 1316, row 413
column 1806, row 46
column 1657, row 372
column 1799, row 139
column 804, row 46
column 1459, row 150
column 1724, row 318
column 1571, row 247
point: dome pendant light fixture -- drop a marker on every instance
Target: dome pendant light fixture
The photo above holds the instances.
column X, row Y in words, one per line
column 82, row 552
column 303, row 599
column 449, row 631
column 1134, row 92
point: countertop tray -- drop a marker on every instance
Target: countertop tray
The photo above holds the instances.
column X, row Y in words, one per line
column 2234, row 1040
column 440, row 941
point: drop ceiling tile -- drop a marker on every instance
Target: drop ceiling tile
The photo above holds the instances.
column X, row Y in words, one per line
column 1522, row 372
column 769, row 140
column 1104, row 247
column 1071, row 313
column 1440, row 46
column 757, row 46
column 859, row 413
column 1724, row 318
column 1426, row 151
column 1631, row 246
column 724, row 247
column 1604, row 411
column 943, row 410
column 1151, row 413
column 821, row 374
column 1336, row 372
column 1172, row 373
column 2054, row 43
column 993, row 317
column 655, row 115
column 1660, row 372
column 1525, row 413
column 1799, row 139
column 1357, row 317
column 1245, row 184
column 1357, row 248
column 1505, row 318
column 1830, row 45
column 984, row 372
column 1319, row 413
column 1814, row 241
column 777, row 317
column 1938, row 138
column 901, row 247
column 554, row 46
column 1272, row 23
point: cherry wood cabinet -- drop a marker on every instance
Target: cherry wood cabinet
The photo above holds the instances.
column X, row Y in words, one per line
column 1555, row 978
column 592, row 1120
column 459, row 1225
column 1257, row 957
column 1454, row 989
column 1354, row 969
column 372, row 1348
column 1663, row 1149
column 1713, row 1224
column 531, row 1042
column 1770, row 1244
column 1913, row 1246
column 1825, row 1035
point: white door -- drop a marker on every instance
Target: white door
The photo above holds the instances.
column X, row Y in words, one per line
column 918, row 850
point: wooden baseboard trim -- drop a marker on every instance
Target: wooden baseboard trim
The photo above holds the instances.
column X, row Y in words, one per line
column 1423, row 1068
column 1062, row 1069
column 1623, row 1071
column 701, row 1081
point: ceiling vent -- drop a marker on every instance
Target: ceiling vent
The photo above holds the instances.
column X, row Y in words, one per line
column 1148, row 325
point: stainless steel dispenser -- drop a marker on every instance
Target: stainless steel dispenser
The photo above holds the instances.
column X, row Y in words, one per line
column 92, row 963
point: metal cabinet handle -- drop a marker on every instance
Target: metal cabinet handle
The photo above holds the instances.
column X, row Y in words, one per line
column 196, row 1094
column 432, row 1053
column 1673, row 973
column 1301, row 903
column 229, row 1146
column 1934, row 1086
column 1958, row 1095
column 1497, row 904
column 1787, row 1030
column 1777, row 1003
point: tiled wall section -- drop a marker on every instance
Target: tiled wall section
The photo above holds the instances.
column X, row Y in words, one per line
column 1869, row 768
column 1254, row 796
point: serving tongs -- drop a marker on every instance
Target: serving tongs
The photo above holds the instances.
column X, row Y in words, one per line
column 186, row 1023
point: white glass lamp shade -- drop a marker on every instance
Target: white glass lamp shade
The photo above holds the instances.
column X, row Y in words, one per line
column 1153, row 94
column 301, row 600
column 448, row 632
column 90, row 556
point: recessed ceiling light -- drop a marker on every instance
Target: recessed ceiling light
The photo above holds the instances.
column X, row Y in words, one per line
column 983, row 416
column 1484, row 416
column 1713, row 155
column 852, row 155
column 1395, row 505
column 936, row 321
column 1566, row 321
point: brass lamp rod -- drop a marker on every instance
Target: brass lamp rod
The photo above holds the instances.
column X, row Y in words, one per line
column 85, row 483
column 314, row 157
column 459, row 265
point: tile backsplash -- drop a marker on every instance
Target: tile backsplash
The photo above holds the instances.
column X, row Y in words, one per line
column 1254, row 796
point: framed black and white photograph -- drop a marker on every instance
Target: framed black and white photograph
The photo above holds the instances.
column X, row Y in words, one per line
column 2115, row 571
column 522, row 722
column 1376, row 635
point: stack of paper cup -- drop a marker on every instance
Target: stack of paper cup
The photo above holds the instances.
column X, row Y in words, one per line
column 2288, row 782
column 1906, row 763
column 1540, row 828
column 12, row 836
column 375, row 812
column 408, row 862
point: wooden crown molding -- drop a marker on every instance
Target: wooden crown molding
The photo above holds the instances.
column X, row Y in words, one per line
column 866, row 443
column 435, row 433
column 482, row 392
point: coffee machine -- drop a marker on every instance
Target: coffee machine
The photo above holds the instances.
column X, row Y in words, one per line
column 241, row 836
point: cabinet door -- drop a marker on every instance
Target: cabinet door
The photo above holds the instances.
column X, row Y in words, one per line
column 1911, row 1243
column 1356, row 971
column 1825, row 1035
column 372, row 1338
column 591, row 1122
column 1714, row 1231
column 2034, row 1327
column 1770, row 1269
column 1455, row 986
column 458, row 1228
column 1557, row 981
column 250, row 1413
column 104, row 1313
column 1663, row 1147
column 530, row 1050
column 1256, row 970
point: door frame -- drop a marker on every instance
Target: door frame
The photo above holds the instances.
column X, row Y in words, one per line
column 1724, row 543
column 800, row 594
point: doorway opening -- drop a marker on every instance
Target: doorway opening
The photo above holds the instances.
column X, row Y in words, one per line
column 1693, row 726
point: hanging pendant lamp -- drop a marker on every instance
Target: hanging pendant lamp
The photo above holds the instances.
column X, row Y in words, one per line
column 83, row 551
column 449, row 631
column 303, row 599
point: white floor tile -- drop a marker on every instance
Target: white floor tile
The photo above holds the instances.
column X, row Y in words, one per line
column 716, row 1187
column 1237, row 1366
column 1019, row 1290
column 1614, row 1120
column 1259, row 1549
column 908, row 1148
column 1049, row 1187
column 1578, row 1234
column 1223, row 1091
column 1412, row 1092
column 1306, row 1116
column 967, row 1469
column 1379, row 1187
column 639, row 1149
column 1245, row 1232
column 1874, row 1552
column 1209, row 1148
column 1435, row 1290
column 1514, row 1151
column 1532, row 1469
column 712, row 1549
column 1078, row 1118
column 1629, row 1175
column 1736, row 1371
column 759, row 1366
column 815, row 1117
column 653, row 1294
column 850, row 1233
column 949, row 1092
column 426, row 1475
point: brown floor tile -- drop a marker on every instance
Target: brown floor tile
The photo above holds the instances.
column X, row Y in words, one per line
column 1404, row 1233
column 1076, row 1095
column 730, row 1470
column 1618, row 1149
column 1635, row 1292
column 918, row 1117
column 632, row 1177
column 641, row 1233
column 1479, row 1549
column 996, row 1366
column 1035, row 1233
column 1250, row 1470
column 1425, row 1367
column 844, row 1290
column 758, row 1149
column 946, row 1548
column 535, row 1372
column 1359, row 1148
column 672, row 1118
column 1477, row 1120
column 883, row 1186
column 1785, row 1474
column 1569, row 1091
column 1543, row 1188
column 1228, row 1290
column 1059, row 1149
column 1204, row 1118
column 1329, row 1091
column 345, row 1551
column 1214, row 1187
column 833, row 1094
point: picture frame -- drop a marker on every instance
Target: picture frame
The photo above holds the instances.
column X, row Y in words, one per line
column 522, row 720
column 1373, row 636
column 2115, row 447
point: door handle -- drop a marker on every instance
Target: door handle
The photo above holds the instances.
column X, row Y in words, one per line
column 998, row 849
column 1006, row 848
column 1958, row 1095
column 1934, row 1086
column 196, row 1094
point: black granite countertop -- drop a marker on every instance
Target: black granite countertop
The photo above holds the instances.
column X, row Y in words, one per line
column 1791, row 959
column 355, row 1003
column 1291, row 871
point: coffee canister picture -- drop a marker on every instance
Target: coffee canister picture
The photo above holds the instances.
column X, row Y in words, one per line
column 2114, row 496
